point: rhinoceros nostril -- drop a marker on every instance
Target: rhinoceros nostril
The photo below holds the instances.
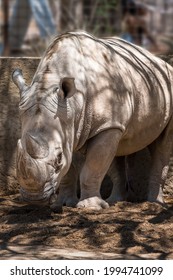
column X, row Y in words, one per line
column 36, row 146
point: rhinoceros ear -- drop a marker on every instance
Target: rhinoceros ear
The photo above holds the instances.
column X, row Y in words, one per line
column 67, row 87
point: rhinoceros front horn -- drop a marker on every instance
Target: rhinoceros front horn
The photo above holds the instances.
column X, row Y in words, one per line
column 18, row 79
column 36, row 146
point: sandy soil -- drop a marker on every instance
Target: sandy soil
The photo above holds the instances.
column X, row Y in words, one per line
column 126, row 230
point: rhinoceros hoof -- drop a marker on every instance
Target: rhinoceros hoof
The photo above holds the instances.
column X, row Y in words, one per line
column 113, row 200
column 68, row 201
column 54, row 205
column 71, row 202
column 56, row 208
column 93, row 203
column 158, row 199
column 58, row 205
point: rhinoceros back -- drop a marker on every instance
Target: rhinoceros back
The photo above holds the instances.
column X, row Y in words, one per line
column 122, row 86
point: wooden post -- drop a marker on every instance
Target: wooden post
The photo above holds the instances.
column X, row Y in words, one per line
column 6, row 49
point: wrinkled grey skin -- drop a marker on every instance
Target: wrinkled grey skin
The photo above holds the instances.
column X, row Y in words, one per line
column 106, row 98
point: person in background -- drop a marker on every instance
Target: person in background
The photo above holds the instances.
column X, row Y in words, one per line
column 21, row 16
column 134, row 26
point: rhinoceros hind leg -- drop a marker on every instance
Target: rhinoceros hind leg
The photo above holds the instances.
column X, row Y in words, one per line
column 160, row 151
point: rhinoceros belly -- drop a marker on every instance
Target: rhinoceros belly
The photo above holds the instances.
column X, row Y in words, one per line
column 140, row 134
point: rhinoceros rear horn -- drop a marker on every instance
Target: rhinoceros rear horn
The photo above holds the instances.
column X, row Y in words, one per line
column 18, row 79
column 36, row 146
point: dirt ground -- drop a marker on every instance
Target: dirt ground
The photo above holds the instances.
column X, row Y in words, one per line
column 124, row 231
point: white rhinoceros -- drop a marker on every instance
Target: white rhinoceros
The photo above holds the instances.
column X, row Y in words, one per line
column 106, row 97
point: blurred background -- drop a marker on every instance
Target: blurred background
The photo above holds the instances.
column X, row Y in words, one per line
column 27, row 26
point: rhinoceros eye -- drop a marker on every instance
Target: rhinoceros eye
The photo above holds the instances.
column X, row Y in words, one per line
column 56, row 89
column 59, row 158
column 58, row 162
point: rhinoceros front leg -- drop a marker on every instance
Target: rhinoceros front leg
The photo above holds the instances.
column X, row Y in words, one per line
column 67, row 194
column 101, row 151
column 160, row 151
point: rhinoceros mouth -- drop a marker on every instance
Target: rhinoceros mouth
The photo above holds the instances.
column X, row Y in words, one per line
column 38, row 197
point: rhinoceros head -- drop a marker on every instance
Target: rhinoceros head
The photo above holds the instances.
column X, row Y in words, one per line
column 44, row 152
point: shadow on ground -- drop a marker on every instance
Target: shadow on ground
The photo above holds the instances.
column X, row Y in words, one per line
column 124, row 231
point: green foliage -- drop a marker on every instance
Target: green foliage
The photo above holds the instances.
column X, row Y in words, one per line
column 168, row 41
